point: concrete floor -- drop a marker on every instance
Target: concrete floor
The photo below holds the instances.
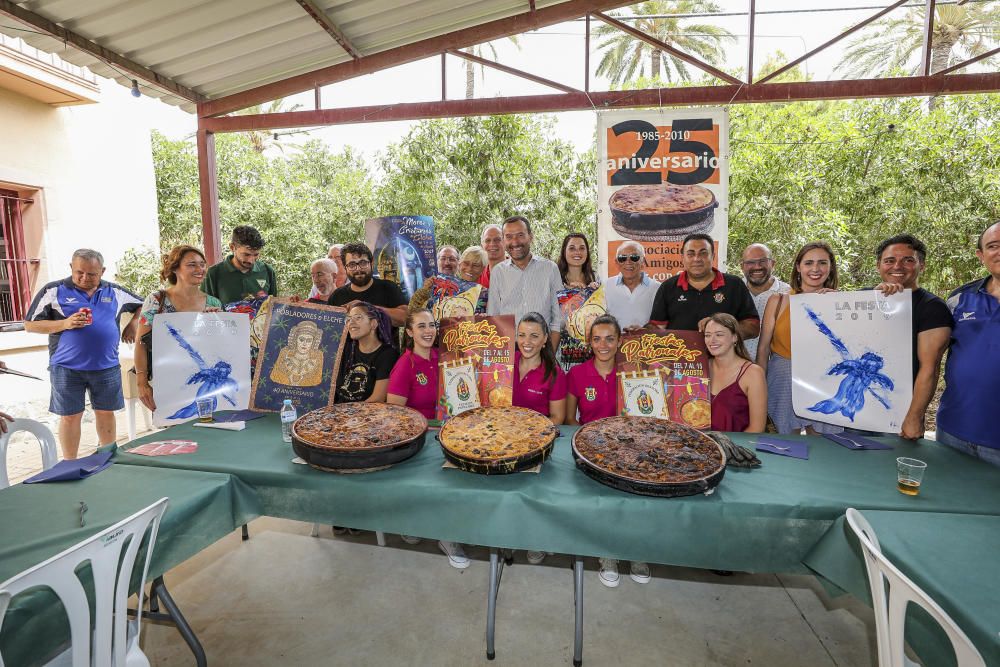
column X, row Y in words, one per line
column 285, row 598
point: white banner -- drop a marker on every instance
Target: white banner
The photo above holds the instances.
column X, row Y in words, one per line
column 662, row 175
column 199, row 355
column 852, row 358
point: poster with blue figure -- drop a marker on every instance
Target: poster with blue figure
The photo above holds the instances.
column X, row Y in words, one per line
column 404, row 250
column 299, row 356
column 199, row 355
column 852, row 358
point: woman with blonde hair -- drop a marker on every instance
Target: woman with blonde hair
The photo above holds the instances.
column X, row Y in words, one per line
column 471, row 263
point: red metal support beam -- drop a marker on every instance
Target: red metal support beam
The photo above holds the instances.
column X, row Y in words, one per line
column 81, row 43
column 966, row 63
column 586, row 56
column 925, row 65
column 675, row 52
column 653, row 97
column 512, row 25
column 208, row 186
column 821, row 47
column 329, row 26
column 751, row 20
column 318, row 97
column 444, row 77
column 510, row 70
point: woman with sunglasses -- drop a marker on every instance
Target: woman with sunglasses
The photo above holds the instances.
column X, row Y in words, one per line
column 593, row 390
column 577, row 275
column 368, row 356
column 813, row 272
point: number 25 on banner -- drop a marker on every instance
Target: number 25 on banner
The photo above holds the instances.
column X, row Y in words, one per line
column 685, row 153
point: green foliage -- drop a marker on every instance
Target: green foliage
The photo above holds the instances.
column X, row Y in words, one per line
column 836, row 172
column 139, row 270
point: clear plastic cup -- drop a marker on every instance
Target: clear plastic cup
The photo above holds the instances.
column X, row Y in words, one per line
column 205, row 410
column 909, row 475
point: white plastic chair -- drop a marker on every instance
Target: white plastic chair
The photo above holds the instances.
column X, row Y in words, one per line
column 890, row 605
column 115, row 639
column 46, row 440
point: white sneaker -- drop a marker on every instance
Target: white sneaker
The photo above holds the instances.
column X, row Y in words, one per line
column 456, row 556
column 536, row 557
column 639, row 572
column 608, row 573
column 409, row 539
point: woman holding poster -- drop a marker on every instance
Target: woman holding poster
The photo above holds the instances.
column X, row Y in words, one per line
column 741, row 404
column 578, row 299
column 813, row 272
column 183, row 270
column 368, row 356
column 414, row 379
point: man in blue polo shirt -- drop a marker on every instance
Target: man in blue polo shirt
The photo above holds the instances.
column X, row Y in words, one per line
column 81, row 316
column 966, row 419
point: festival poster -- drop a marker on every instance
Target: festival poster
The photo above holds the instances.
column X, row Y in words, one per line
column 454, row 297
column 459, row 386
column 643, row 394
column 254, row 307
column 852, row 358
column 681, row 359
column 662, row 174
column 487, row 343
column 299, row 356
column 199, row 355
column 404, row 251
column 580, row 307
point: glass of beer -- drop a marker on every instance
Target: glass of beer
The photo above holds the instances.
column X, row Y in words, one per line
column 909, row 475
column 205, row 408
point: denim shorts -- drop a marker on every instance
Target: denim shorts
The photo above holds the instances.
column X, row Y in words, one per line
column 69, row 388
column 981, row 452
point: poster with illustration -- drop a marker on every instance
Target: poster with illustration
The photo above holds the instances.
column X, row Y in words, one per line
column 299, row 357
column 643, row 394
column 254, row 307
column 454, row 297
column 681, row 360
column 661, row 174
column 403, row 247
column 199, row 355
column 488, row 344
column 458, row 387
column 852, row 358
column 580, row 306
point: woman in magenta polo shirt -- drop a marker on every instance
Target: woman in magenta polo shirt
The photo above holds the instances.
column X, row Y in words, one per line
column 592, row 385
column 539, row 383
column 413, row 381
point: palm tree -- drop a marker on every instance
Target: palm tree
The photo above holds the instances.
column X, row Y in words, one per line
column 626, row 56
column 960, row 32
column 470, row 67
column 261, row 140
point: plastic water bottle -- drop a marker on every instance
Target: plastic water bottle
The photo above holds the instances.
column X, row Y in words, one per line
column 288, row 416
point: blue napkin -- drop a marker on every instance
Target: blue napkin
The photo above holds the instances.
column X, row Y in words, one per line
column 797, row 449
column 851, row 441
column 66, row 471
column 237, row 416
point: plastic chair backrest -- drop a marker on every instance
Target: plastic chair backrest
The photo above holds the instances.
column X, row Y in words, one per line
column 111, row 586
column 46, row 440
column 890, row 605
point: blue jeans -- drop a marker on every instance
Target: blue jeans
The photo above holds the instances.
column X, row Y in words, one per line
column 981, row 452
column 69, row 389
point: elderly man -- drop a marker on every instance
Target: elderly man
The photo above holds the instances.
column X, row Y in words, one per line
column 687, row 300
column 364, row 286
column 324, row 279
column 81, row 315
column 900, row 263
column 334, row 254
column 447, row 260
column 241, row 274
column 966, row 419
column 758, row 267
column 493, row 243
column 525, row 283
column 630, row 294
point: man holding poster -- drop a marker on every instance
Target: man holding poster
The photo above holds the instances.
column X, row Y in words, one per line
column 363, row 286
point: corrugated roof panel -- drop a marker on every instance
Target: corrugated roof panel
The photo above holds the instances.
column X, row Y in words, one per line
column 263, row 59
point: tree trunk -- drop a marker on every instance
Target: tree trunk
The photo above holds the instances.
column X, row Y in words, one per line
column 470, row 79
column 654, row 64
column 940, row 57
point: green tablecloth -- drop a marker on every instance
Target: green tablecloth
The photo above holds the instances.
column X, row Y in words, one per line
column 762, row 520
column 38, row 521
column 952, row 557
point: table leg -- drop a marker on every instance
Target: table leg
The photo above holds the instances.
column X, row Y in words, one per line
column 578, row 607
column 496, row 571
column 246, row 533
column 380, row 538
column 159, row 589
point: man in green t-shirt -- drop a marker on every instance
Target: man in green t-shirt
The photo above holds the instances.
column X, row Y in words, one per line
column 241, row 274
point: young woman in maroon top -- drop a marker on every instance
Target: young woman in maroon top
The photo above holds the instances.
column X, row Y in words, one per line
column 741, row 404
column 539, row 383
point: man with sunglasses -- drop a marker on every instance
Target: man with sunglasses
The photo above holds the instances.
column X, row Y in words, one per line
column 758, row 265
column 363, row 286
column 630, row 294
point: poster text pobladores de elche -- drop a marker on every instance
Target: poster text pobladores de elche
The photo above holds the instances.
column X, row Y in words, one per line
column 304, row 315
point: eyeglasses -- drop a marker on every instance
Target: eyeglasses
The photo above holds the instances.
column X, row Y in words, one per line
column 358, row 319
column 756, row 262
column 360, row 264
column 634, row 257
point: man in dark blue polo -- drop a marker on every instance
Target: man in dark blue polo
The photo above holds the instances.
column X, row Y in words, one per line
column 966, row 418
column 81, row 316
